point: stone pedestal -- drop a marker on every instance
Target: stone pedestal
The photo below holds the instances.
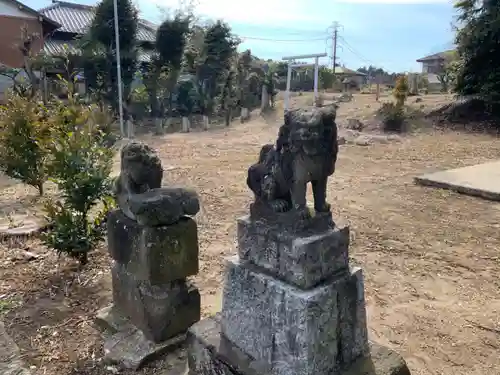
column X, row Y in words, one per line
column 210, row 353
column 292, row 305
column 301, row 258
column 153, row 302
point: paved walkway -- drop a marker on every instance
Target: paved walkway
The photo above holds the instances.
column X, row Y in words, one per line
column 482, row 180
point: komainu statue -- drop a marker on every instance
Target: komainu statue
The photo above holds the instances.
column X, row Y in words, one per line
column 305, row 151
column 139, row 193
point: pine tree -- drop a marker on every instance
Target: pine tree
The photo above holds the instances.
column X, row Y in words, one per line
column 478, row 49
column 100, row 50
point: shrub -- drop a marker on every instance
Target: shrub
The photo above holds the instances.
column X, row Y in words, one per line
column 23, row 138
column 393, row 117
column 400, row 91
column 80, row 166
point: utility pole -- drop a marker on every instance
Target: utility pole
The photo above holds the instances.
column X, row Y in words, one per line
column 335, row 27
column 119, row 68
column 334, row 44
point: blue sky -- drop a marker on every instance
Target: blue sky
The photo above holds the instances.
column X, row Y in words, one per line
column 391, row 34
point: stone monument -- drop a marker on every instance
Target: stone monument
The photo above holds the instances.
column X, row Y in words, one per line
column 153, row 244
column 292, row 304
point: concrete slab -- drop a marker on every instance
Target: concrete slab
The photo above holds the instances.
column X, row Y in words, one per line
column 482, row 180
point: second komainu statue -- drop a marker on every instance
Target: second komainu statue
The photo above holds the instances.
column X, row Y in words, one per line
column 305, row 152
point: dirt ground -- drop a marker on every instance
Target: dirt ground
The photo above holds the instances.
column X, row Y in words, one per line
column 430, row 256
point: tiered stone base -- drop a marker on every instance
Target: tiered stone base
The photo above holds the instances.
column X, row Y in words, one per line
column 126, row 345
column 301, row 332
column 154, row 303
column 292, row 305
column 211, row 354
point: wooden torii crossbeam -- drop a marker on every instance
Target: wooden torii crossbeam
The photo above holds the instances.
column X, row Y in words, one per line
column 316, row 56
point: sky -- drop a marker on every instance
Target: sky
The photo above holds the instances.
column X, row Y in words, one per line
column 390, row 34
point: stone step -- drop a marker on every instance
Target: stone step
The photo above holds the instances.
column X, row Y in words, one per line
column 210, row 353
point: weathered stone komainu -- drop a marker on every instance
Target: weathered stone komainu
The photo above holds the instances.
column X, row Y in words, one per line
column 292, row 304
column 305, row 151
column 140, row 195
column 154, row 246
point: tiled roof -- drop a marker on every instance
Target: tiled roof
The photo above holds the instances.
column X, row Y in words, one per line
column 54, row 47
column 27, row 9
column 76, row 18
column 345, row 71
column 437, row 56
column 58, row 47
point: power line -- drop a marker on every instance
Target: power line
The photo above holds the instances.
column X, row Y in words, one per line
column 298, row 32
column 282, row 40
column 353, row 51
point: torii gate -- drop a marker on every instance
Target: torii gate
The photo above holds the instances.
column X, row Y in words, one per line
column 316, row 56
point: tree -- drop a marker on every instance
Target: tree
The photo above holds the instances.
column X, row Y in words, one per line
column 170, row 45
column 99, row 49
column 24, row 137
column 326, row 77
column 214, row 62
column 230, row 99
column 244, row 78
column 160, row 74
column 269, row 89
column 445, row 78
column 448, row 70
column 80, row 165
column 478, row 50
column 381, row 74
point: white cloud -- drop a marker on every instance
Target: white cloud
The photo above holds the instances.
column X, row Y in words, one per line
column 260, row 12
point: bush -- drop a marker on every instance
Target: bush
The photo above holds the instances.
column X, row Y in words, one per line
column 400, row 91
column 393, row 117
column 23, row 139
column 80, row 166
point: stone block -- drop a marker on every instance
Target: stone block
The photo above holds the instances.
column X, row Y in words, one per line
column 303, row 259
column 210, row 353
column 154, row 254
column 123, row 236
column 132, row 350
column 297, row 331
column 126, row 345
column 159, row 311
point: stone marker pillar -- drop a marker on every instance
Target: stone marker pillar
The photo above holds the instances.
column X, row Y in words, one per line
column 292, row 303
column 154, row 249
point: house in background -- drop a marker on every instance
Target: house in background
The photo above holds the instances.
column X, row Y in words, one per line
column 14, row 17
column 74, row 20
column 17, row 19
column 434, row 64
column 350, row 78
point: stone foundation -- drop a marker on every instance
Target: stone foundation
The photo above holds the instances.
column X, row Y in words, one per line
column 292, row 305
column 298, row 330
column 153, row 302
column 210, row 353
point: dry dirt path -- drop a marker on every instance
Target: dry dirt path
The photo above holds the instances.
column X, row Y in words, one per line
column 431, row 257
